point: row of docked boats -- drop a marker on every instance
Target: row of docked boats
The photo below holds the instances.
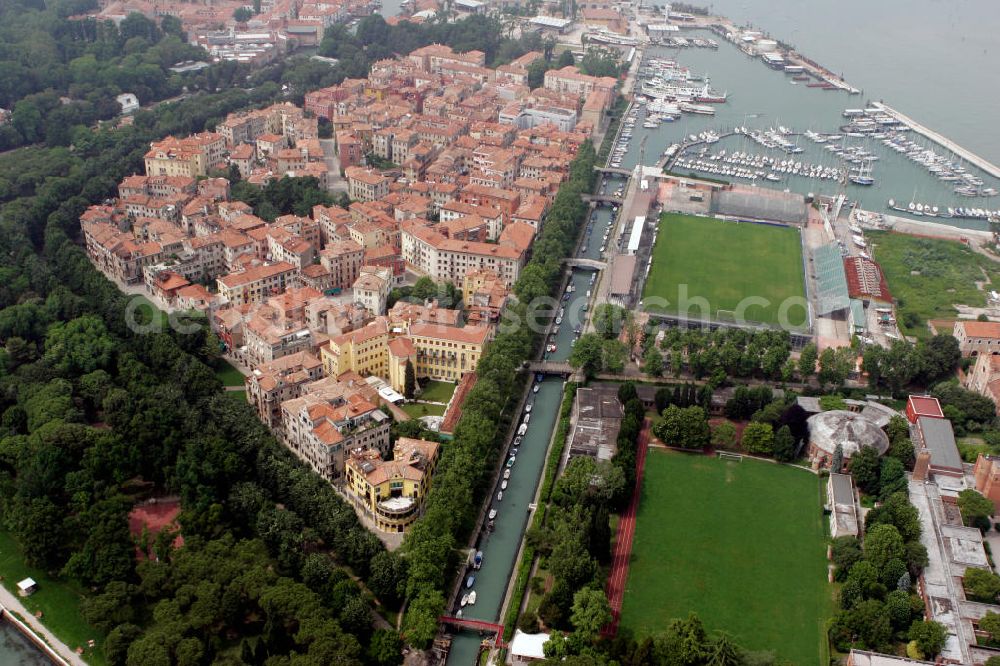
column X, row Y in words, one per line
column 666, row 69
column 927, row 210
column 771, row 138
column 775, row 165
column 757, row 171
column 945, row 168
column 878, row 124
column 685, row 42
column 658, row 88
column 476, row 560
column 620, row 149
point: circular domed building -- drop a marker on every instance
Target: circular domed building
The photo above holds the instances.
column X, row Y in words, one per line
column 850, row 430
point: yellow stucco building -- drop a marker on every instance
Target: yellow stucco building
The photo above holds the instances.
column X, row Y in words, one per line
column 437, row 351
column 392, row 491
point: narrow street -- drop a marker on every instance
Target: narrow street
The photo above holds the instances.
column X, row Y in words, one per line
column 336, row 182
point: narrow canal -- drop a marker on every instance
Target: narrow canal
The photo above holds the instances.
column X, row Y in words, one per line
column 500, row 546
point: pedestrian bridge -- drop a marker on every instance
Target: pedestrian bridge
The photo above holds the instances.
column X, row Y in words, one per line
column 577, row 262
column 551, row 367
column 476, row 625
column 614, row 170
column 602, row 198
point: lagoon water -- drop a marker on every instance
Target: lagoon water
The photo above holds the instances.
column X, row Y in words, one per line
column 16, row 650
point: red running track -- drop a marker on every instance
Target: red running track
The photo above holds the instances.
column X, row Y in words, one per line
column 623, row 545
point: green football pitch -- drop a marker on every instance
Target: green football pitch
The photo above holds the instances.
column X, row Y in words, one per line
column 742, row 544
column 726, row 264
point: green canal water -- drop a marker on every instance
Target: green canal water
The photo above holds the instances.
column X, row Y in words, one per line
column 500, row 546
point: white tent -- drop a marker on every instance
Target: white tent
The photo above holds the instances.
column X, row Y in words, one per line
column 526, row 648
column 27, row 586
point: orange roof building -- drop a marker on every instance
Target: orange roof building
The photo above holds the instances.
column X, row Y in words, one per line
column 392, row 491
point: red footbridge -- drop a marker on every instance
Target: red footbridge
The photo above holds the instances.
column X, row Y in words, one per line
column 476, row 625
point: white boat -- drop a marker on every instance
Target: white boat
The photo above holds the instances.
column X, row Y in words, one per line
column 702, row 109
column 506, row 474
column 493, row 514
column 472, row 598
column 528, row 407
column 500, row 496
column 534, row 390
column 503, row 485
column 465, row 600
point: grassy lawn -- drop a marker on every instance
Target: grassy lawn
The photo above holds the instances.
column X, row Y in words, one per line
column 437, row 391
column 416, row 409
column 971, row 447
column 742, row 544
column 725, row 263
column 238, row 396
column 928, row 276
column 228, row 374
column 58, row 600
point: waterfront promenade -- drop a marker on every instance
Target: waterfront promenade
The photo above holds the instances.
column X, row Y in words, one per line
column 12, row 604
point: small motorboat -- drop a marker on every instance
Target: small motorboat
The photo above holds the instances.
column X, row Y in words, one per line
column 470, row 581
column 500, row 496
column 465, row 600
column 472, row 598
column 506, row 473
column 503, row 485
column 510, row 462
column 535, row 389
column 517, row 441
column 493, row 514
column 528, row 407
column 477, row 559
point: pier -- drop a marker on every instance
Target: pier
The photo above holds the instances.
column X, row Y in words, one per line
column 942, row 141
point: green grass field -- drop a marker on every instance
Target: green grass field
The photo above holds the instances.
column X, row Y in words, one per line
column 742, row 544
column 437, row 391
column 724, row 263
column 418, row 409
column 928, row 277
column 228, row 374
column 238, row 396
column 58, row 600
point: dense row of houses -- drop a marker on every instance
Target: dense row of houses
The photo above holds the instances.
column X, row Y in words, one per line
column 304, row 301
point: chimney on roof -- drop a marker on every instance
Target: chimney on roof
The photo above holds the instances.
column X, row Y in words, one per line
column 921, row 468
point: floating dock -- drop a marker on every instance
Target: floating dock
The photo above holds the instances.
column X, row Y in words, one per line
column 942, row 141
